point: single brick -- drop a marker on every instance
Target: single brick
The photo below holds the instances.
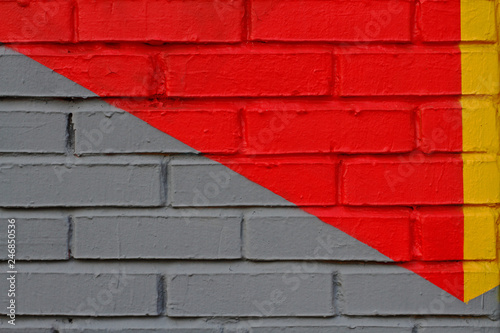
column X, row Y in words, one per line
column 22, row 76
column 156, row 20
column 481, row 179
column 36, row 21
column 163, row 131
column 254, row 295
column 56, row 184
column 37, row 238
column 121, row 132
column 141, row 237
column 441, row 129
column 305, row 237
column 317, row 131
column 420, row 72
column 249, row 74
column 406, row 180
column 321, row 20
column 450, row 20
column 386, row 291
column 300, row 181
column 337, row 328
column 110, row 75
column 83, row 294
column 480, row 126
column 33, row 132
column 465, row 325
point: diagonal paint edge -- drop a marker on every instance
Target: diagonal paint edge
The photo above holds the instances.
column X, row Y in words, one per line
column 481, row 176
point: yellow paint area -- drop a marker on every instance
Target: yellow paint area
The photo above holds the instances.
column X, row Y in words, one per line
column 480, row 133
column 478, row 20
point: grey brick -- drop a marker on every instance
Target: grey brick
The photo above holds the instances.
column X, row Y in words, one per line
column 333, row 328
column 396, row 291
column 255, row 295
column 37, row 238
column 43, row 185
column 141, row 330
column 200, row 182
column 22, row 76
column 32, row 132
column 157, row 237
column 121, row 132
column 464, row 325
column 301, row 236
column 83, row 294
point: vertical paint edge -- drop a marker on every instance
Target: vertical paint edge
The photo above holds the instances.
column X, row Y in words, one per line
column 480, row 145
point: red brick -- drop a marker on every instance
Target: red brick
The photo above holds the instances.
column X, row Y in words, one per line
column 441, row 130
column 323, row 20
column 440, row 234
column 440, row 20
column 421, row 72
column 317, row 131
column 36, row 21
column 157, row 20
column 404, row 180
column 107, row 75
column 249, row 74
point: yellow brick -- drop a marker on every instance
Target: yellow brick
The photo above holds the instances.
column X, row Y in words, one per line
column 479, row 277
column 481, row 179
column 478, row 20
column 479, row 125
column 480, row 233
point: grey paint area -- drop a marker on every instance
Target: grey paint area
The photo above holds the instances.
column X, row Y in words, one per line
column 83, row 294
column 37, row 238
column 254, row 295
column 374, row 291
column 38, row 132
column 126, row 134
column 31, row 184
column 22, row 76
column 200, row 182
column 143, row 237
column 288, row 234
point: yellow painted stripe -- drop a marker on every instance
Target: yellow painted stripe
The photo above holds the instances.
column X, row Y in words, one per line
column 480, row 132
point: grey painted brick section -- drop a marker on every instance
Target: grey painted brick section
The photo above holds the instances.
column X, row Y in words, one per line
column 301, row 236
column 255, row 295
column 130, row 237
column 33, row 132
column 42, row 185
column 199, row 182
column 373, row 293
column 126, row 134
column 22, row 76
column 83, row 294
column 37, row 238
column 333, row 328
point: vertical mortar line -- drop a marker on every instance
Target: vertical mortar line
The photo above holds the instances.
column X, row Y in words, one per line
column 164, row 181
column 336, row 293
column 242, row 234
column 70, row 135
column 247, row 7
column 161, row 293
column 70, row 237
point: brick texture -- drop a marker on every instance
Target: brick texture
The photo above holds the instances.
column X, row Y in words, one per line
column 250, row 166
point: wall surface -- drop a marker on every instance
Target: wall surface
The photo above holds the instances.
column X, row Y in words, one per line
column 250, row 166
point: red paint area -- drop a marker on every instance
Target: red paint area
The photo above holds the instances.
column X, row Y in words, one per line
column 299, row 147
column 323, row 20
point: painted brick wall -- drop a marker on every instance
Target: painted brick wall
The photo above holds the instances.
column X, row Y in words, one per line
column 135, row 215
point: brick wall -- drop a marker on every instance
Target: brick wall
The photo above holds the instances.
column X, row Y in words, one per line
column 154, row 153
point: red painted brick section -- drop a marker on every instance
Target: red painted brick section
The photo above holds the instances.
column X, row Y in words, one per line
column 36, row 21
column 155, row 20
column 322, row 20
column 440, row 233
column 440, row 20
column 415, row 179
column 319, row 131
column 441, row 130
column 249, row 74
column 421, row 72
